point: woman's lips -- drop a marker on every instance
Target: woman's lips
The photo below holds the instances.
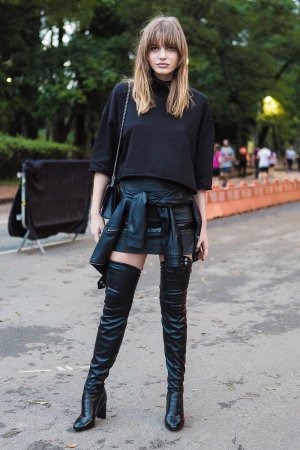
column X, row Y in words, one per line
column 162, row 65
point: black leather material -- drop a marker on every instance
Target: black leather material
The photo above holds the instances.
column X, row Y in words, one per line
column 135, row 204
column 92, row 405
column 110, row 201
column 174, row 419
column 174, row 283
column 121, row 284
column 122, row 280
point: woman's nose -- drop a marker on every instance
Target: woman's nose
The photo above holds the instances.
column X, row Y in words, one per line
column 162, row 53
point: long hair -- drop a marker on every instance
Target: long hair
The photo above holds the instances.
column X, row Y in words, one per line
column 166, row 31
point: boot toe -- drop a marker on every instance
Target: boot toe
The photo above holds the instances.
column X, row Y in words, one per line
column 82, row 423
column 174, row 423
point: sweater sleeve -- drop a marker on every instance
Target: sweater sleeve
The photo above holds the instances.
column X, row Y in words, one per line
column 205, row 149
column 106, row 140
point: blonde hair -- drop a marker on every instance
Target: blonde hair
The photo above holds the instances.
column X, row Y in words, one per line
column 161, row 30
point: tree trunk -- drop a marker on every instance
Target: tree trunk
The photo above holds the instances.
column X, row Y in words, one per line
column 262, row 135
column 80, row 139
column 31, row 127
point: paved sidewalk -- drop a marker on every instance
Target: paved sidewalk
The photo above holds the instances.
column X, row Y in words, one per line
column 242, row 375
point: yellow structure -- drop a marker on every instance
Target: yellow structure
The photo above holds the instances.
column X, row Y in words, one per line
column 271, row 107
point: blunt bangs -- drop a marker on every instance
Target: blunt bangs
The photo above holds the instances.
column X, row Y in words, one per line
column 164, row 34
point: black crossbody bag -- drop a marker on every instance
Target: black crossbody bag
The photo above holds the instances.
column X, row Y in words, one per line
column 111, row 193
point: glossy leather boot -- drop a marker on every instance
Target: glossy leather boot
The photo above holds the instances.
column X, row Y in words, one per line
column 92, row 405
column 121, row 282
column 174, row 418
column 173, row 291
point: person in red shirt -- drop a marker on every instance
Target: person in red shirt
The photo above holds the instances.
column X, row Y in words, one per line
column 243, row 161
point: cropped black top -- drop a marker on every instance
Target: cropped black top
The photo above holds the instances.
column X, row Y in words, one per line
column 156, row 143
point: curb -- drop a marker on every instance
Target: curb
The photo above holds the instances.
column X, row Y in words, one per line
column 7, row 193
column 222, row 202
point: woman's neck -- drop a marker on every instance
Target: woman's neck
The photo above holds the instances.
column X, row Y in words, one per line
column 163, row 77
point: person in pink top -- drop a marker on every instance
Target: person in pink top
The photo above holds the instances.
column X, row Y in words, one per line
column 273, row 161
column 217, row 164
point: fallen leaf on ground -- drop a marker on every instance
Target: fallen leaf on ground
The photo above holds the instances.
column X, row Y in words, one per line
column 10, row 433
column 39, row 403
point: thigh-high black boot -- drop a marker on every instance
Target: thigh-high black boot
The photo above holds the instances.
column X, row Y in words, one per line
column 173, row 291
column 121, row 282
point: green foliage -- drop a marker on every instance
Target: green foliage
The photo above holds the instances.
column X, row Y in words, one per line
column 65, row 57
column 15, row 150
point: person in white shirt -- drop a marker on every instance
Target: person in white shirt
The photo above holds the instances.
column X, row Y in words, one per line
column 264, row 155
column 290, row 156
column 227, row 159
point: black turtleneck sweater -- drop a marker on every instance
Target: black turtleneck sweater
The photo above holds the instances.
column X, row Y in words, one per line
column 156, row 144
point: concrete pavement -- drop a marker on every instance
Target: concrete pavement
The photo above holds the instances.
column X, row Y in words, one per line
column 242, row 374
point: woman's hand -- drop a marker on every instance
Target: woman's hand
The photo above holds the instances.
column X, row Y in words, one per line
column 97, row 225
column 203, row 242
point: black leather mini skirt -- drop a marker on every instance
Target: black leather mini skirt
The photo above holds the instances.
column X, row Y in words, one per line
column 183, row 214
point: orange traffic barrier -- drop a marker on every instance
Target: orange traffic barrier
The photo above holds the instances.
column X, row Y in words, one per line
column 234, row 199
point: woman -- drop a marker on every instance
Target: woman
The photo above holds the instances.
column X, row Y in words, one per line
column 243, row 160
column 217, row 164
column 164, row 168
column 273, row 162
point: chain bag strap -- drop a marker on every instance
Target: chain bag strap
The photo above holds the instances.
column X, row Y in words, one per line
column 110, row 197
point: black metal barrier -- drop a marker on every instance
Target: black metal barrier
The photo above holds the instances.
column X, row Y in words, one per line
column 54, row 196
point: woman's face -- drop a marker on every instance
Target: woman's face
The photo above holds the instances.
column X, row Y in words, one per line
column 163, row 60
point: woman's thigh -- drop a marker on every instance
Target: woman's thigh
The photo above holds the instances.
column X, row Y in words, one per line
column 134, row 259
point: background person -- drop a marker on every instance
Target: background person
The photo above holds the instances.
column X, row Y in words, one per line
column 290, row 156
column 217, row 164
column 243, row 160
column 163, row 174
column 227, row 161
column 273, row 162
column 298, row 160
column 255, row 161
column 264, row 155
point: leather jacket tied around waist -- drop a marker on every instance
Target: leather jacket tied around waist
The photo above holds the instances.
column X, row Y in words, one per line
column 135, row 206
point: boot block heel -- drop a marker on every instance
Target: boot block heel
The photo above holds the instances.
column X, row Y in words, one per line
column 92, row 406
column 174, row 419
column 101, row 411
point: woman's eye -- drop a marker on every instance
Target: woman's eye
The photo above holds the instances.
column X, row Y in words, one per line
column 156, row 49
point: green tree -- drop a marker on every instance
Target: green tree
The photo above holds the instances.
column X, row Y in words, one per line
column 19, row 61
column 63, row 58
